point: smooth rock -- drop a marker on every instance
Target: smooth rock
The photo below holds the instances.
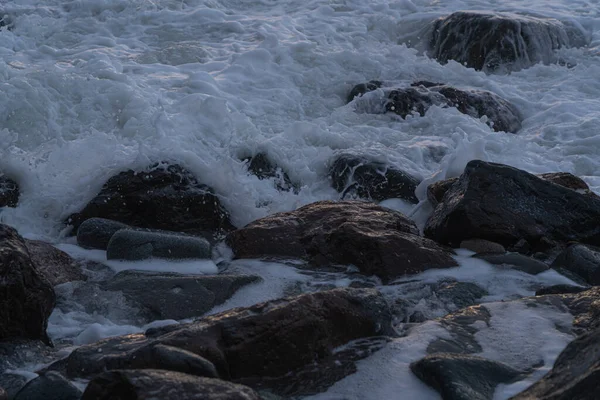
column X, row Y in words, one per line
column 515, row 261
column 482, row 246
column 56, row 265
column 50, row 386
column 95, row 233
column 132, row 245
column 581, row 260
column 377, row 240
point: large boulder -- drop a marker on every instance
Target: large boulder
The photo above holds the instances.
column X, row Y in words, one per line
column 26, row 296
column 162, row 197
column 268, row 340
column 377, row 240
column 356, row 176
column 95, row 233
column 9, row 189
column 173, row 296
column 581, row 260
column 506, row 205
column 500, row 42
column 56, row 265
column 153, row 384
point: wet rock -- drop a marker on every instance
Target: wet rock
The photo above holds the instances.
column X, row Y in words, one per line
column 26, row 296
column 575, row 375
column 132, row 245
column 9, row 189
column 12, row 383
column 3, row 394
column 173, row 296
column 515, row 261
column 174, row 359
column 165, row 385
column 461, row 294
column 500, row 42
column 581, row 260
column 482, row 246
column 50, row 386
column 437, row 190
column 505, row 205
column 263, row 168
column 95, row 233
column 464, row 377
column 363, row 88
column 56, row 265
column 268, row 340
column 560, row 289
column 165, row 197
column 462, row 326
column 359, row 177
column 377, row 240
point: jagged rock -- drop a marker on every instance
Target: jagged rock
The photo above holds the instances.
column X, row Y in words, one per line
column 437, row 190
column 95, row 233
column 263, row 168
column 515, row 261
column 56, row 265
column 164, row 385
column 26, row 296
column 9, row 189
column 464, row 377
column 505, row 205
column 482, row 246
column 162, row 197
column 377, row 240
column 581, row 260
column 500, row 42
column 131, row 245
column 173, row 296
column 560, row 289
column 356, row 176
column 50, row 386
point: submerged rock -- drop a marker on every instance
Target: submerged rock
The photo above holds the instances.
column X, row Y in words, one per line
column 363, row 88
column 356, row 176
column 26, row 296
column 56, row 265
column 377, row 240
column 162, row 197
column 464, row 377
column 3, row 394
column 505, row 205
column 263, row 168
column 49, row 386
column 95, row 233
column 500, row 42
column 581, row 260
column 515, row 261
column 164, row 385
column 12, row 383
column 9, row 189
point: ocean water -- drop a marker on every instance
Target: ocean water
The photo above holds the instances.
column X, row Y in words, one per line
column 94, row 87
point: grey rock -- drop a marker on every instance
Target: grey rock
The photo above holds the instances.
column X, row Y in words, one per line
column 581, row 260
column 515, row 261
column 50, row 386
column 131, row 245
column 482, row 246
column 95, row 233
column 461, row 294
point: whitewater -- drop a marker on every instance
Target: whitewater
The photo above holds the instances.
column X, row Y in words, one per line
column 91, row 88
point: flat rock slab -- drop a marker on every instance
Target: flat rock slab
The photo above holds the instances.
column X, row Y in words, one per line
column 377, row 240
column 132, row 245
column 581, row 260
column 164, row 385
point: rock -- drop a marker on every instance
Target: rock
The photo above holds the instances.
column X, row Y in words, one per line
column 377, row 240
column 357, row 176
column 581, row 260
column 50, row 386
column 560, row 289
column 504, row 205
column 164, row 385
column 128, row 244
column 95, row 233
column 174, row 359
column 172, row 296
column 363, row 88
column 171, row 195
column 437, row 190
column 268, row 340
column 464, row 377
column 9, row 189
column 515, row 261
column 575, row 374
column 263, row 168
column 12, row 383
column 26, row 296
column 3, row 394
column 56, row 265
column 482, row 246
column 461, row 294
column 500, row 42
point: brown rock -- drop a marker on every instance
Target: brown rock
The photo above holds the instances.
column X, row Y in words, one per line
column 56, row 265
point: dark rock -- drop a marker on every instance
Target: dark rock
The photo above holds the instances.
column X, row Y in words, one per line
column 500, row 41
column 50, row 386
column 504, row 205
column 437, row 190
column 268, row 340
column 377, row 240
column 95, row 233
column 9, row 189
column 56, row 265
column 461, row 325
column 16, row 353
column 581, row 260
column 26, row 297
column 128, row 244
column 560, row 289
column 263, row 168
column 162, row 197
column 164, row 385
column 179, row 360
column 464, row 377
column 575, row 375
column 516, row 261
column 12, row 383
column 357, row 176
column 171, row 296
column 3, row 394
column 482, row 246
column 461, row 294
column 363, row 88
